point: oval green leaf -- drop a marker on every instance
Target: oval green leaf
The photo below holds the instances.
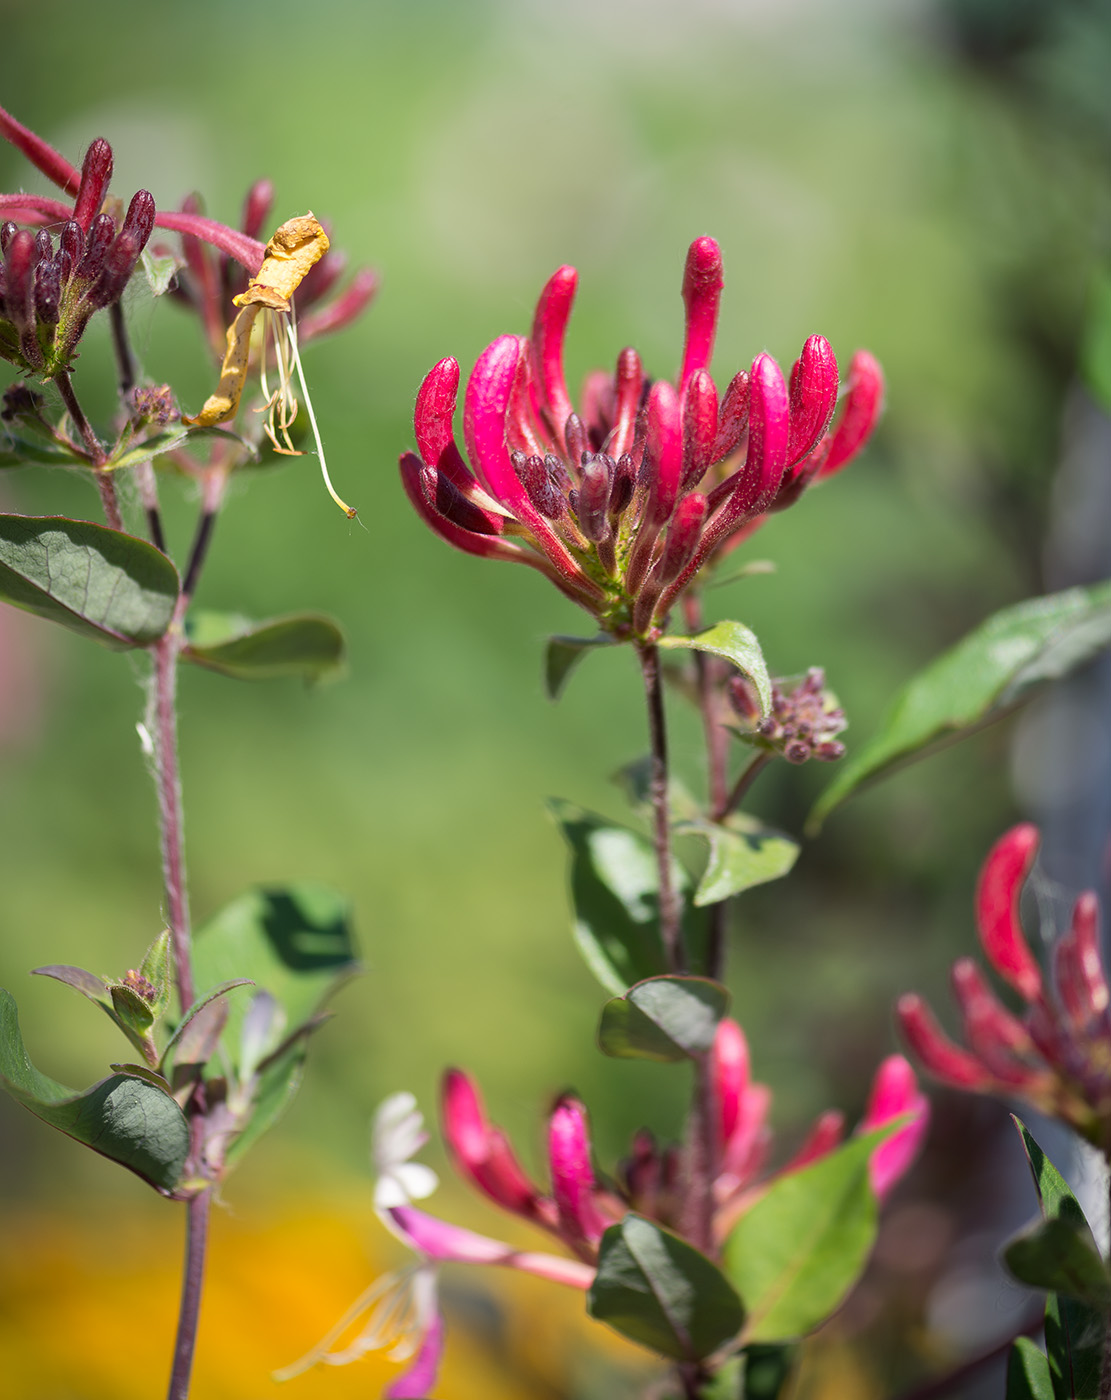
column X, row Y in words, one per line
column 126, row 1118
column 663, row 1018
column 307, row 645
column 743, row 853
column 975, row 682
column 1060, row 1256
column 100, row 583
column 656, row 1289
column 736, row 643
column 796, row 1253
column 1028, row 1375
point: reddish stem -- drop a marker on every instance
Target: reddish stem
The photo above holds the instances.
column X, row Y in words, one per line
column 196, row 1243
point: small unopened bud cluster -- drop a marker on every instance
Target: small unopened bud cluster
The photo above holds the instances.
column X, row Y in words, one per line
column 803, row 722
column 140, row 985
column 50, row 287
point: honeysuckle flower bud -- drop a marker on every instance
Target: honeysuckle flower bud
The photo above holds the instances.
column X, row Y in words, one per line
column 482, row 1153
column 96, row 174
column 617, row 557
column 573, row 1185
column 895, row 1094
column 1057, row 1054
column 802, row 723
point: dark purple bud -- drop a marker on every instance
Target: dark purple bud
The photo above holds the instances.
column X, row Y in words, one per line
column 21, row 402
column 558, row 473
column 743, row 698
column 95, row 175
column 121, row 258
column 19, row 288
column 594, row 494
column 72, row 242
column 578, row 442
column 534, row 477
column 450, row 502
column 733, row 418
column 829, row 751
column 624, row 484
column 99, row 238
column 138, row 222
column 65, row 268
column 44, row 245
column 256, row 207
column 683, row 536
column 796, row 752
column 48, row 291
column 8, row 231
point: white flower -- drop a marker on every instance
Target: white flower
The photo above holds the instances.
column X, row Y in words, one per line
column 397, row 1133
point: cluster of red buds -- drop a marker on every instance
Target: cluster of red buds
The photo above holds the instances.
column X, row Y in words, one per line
column 803, row 722
column 580, row 1206
column 621, row 503
column 51, row 286
column 1057, row 1055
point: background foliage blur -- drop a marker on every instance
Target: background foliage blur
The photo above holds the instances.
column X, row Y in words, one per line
column 925, row 179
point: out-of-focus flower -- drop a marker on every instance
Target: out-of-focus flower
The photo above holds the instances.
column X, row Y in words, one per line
column 1057, row 1054
column 622, row 502
column 803, row 723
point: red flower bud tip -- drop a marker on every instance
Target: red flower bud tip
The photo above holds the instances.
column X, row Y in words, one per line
column 664, row 448
column 99, row 238
column 19, row 279
column 683, row 537
column 96, row 172
column 257, row 207
column 700, row 424
column 549, row 327
column 480, row 1151
column 432, row 422
column 45, row 158
column 744, row 1153
column 628, row 382
column 733, row 419
column 995, row 1037
column 572, row 1174
column 997, row 918
column 1085, row 932
column 895, row 1094
column 702, row 284
column 122, row 257
column 729, row 1074
column 943, row 1059
column 813, row 396
column 863, row 406
column 823, row 1137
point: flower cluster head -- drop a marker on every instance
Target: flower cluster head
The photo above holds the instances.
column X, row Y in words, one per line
column 803, row 723
column 622, row 501
column 1057, row 1053
column 51, row 283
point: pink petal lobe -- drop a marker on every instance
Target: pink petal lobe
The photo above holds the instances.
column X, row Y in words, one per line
column 938, row 1054
column 895, row 1093
column 702, row 284
column 433, row 419
column 549, row 327
column 863, row 406
column 997, row 909
column 729, row 1075
column 813, row 396
column 573, row 1181
column 417, row 1380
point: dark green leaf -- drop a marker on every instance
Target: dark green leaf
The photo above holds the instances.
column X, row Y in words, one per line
column 149, row 449
column 144, row 1072
column 1059, row 1256
column 1074, row 1330
column 101, row 583
column 125, row 1118
column 794, row 1256
column 18, row 449
column 564, row 654
column 295, row 942
column 308, row 645
column 767, row 1370
column 663, row 1018
column 1028, row 1372
column 978, row 680
column 734, row 642
column 660, row 1291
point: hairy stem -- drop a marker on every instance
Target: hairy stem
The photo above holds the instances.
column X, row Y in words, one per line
column 162, row 727
column 671, row 933
column 700, row 1159
column 80, row 422
column 742, row 785
column 125, row 362
column 196, row 1241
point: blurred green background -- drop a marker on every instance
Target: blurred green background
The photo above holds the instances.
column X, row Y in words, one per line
column 925, row 180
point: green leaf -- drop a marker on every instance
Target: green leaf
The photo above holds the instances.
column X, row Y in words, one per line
column 563, row 654
column 1095, row 350
column 157, row 968
column 1028, row 1375
column 95, row 988
column 1060, row 1256
column 159, row 270
column 147, row 450
column 126, row 1118
column 655, row 1288
column 663, row 1018
column 743, row 852
column 308, row 645
column 19, row 449
column 736, row 643
column 100, row 583
column 295, row 942
column 177, row 1049
column 767, row 1370
column 794, row 1256
column 975, row 682
column 1074, row 1330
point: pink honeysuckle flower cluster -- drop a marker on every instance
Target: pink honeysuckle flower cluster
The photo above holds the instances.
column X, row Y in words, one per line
column 93, row 262
column 580, row 1206
column 1057, row 1054
column 622, row 502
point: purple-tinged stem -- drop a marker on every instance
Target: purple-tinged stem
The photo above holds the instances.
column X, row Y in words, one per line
column 125, row 361
column 671, row 933
column 81, row 423
column 196, row 1243
column 696, row 1221
column 148, row 494
column 163, row 726
column 742, row 785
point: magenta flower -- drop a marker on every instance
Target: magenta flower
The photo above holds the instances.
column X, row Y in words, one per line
column 1057, row 1054
column 623, row 501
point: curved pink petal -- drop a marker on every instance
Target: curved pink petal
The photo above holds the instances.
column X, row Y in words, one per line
column 549, row 327
column 937, row 1053
column 994, row 1036
column 1081, row 978
column 895, row 1094
column 997, row 909
column 482, row 1152
column 433, row 422
column 664, row 447
column 452, row 1244
column 417, row 1380
column 628, row 381
column 863, row 406
column 702, row 284
column 573, row 1183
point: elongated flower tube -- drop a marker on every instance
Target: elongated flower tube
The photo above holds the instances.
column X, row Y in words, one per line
column 623, row 501
column 1056, row 1054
